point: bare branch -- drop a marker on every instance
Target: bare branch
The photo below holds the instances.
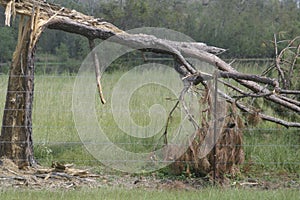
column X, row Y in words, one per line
column 244, row 94
column 290, row 100
column 297, row 92
column 97, row 71
column 250, row 77
column 261, row 115
column 168, row 122
column 189, row 115
column 277, row 62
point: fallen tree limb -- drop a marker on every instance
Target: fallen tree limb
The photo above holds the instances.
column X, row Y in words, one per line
column 250, row 77
column 244, row 94
column 255, row 87
column 55, row 17
column 262, row 116
column 297, row 92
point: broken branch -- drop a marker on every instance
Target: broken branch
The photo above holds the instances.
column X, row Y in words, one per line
column 97, row 70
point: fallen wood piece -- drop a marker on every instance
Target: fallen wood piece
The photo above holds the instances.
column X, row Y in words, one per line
column 11, row 171
column 18, row 178
column 58, row 166
column 47, row 176
column 44, row 171
column 76, row 172
column 249, row 184
column 61, row 175
column 71, row 185
column 43, row 176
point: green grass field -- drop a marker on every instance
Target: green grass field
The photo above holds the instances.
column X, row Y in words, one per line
column 121, row 193
column 268, row 148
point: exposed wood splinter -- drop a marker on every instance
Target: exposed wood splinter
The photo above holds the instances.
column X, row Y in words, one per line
column 97, row 71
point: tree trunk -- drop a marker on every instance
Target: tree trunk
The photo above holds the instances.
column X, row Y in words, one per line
column 16, row 134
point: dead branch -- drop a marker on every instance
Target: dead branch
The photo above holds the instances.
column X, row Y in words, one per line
column 168, row 122
column 277, row 63
column 223, row 66
column 286, row 76
column 185, row 108
column 297, row 54
column 296, row 92
column 261, row 115
column 244, row 94
column 291, row 100
column 250, row 77
column 97, row 71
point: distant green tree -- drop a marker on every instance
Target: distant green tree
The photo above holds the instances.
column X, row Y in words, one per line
column 243, row 27
column 7, row 43
column 62, row 52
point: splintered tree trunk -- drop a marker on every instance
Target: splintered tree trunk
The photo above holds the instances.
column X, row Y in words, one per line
column 16, row 134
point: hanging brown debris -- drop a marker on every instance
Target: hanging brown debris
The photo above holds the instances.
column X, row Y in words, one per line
column 228, row 148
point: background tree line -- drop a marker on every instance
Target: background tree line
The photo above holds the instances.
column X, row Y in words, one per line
column 244, row 27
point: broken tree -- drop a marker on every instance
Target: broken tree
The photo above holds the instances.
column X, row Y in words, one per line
column 36, row 15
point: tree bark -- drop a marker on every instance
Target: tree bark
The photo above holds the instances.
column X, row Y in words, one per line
column 16, row 133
